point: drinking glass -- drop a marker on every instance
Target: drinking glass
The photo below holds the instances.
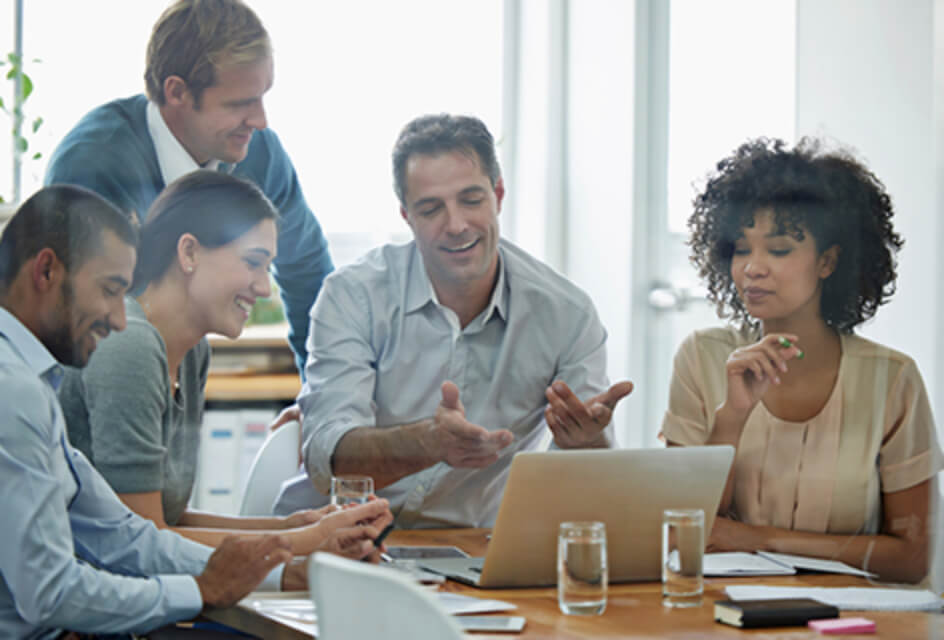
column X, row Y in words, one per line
column 683, row 552
column 581, row 568
column 351, row 489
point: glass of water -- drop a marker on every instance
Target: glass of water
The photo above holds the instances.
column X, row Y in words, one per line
column 683, row 553
column 351, row 489
column 581, row 568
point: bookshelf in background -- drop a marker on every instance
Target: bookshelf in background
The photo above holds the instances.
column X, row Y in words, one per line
column 250, row 380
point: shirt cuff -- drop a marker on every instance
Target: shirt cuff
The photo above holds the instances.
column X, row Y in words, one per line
column 182, row 596
column 273, row 581
column 904, row 475
column 320, row 450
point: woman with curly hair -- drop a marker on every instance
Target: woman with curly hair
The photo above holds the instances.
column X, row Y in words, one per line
column 835, row 444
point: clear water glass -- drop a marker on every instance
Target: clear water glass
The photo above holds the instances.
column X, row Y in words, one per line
column 350, row 489
column 582, row 573
column 683, row 554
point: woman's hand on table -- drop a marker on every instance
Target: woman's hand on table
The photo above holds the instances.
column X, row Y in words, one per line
column 731, row 535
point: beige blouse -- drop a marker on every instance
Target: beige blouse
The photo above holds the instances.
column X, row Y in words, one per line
column 875, row 434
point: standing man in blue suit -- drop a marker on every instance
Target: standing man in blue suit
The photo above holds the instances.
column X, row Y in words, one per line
column 209, row 64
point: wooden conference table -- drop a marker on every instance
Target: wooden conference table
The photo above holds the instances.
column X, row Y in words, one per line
column 632, row 611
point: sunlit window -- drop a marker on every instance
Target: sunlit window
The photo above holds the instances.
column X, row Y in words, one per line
column 731, row 77
column 348, row 76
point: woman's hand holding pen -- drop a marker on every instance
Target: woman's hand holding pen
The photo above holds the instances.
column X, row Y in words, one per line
column 345, row 530
column 750, row 372
column 359, row 534
column 752, row 369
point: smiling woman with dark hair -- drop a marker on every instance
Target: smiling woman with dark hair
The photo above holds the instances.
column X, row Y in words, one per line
column 136, row 410
column 836, row 447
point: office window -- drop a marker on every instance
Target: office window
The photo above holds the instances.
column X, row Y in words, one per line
column 731, row 77
column 348, row 76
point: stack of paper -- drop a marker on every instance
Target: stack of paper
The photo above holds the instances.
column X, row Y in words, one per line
column 847, row 598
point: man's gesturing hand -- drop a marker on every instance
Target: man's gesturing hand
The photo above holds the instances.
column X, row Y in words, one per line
column 577, row 424
column 453, row 439
column 238, row 566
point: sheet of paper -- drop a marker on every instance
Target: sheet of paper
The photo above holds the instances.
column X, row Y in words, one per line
column 299, row 613
column 456, row 604
column 846, row 598
column 815, row 564
column 741, row 563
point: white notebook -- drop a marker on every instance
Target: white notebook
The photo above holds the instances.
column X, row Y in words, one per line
column 768, row 563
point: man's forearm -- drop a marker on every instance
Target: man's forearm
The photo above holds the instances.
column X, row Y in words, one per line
column 386, row 454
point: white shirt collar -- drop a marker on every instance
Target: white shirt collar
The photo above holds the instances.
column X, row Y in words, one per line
column 172, row 158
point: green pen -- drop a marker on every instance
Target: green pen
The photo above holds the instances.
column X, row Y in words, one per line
column 786, row 344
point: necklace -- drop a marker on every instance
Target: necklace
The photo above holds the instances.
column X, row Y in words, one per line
column 146, row 306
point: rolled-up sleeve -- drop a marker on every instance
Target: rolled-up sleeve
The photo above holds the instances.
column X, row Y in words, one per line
column 687, row 420
column 910, row 453
column 340, row 375
column 125, row 405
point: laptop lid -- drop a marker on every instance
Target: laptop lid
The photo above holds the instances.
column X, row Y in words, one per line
column 625, row 488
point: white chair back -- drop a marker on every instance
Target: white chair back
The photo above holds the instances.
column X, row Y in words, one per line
column 276, row 462
column 359, row 600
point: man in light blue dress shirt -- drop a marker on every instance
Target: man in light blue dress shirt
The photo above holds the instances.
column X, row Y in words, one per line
column 73, row 556
column 432, row 363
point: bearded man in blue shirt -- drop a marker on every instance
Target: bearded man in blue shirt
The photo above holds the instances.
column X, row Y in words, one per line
column 74, row 558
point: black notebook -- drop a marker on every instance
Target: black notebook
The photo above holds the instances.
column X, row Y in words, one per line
column 779, row 612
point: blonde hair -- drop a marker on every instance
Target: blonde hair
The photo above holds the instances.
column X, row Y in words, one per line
column 194, row 38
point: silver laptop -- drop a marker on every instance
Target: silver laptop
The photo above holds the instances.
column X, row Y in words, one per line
column 625, row 488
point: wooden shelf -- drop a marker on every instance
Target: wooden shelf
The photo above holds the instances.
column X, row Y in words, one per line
column 260, row 336
column 279, row 387
column 258, row 366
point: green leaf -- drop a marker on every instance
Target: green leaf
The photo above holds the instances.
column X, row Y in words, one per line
column 27, row 87
column 27, row 83
column 20, row 144
column 37, row 155
column 37, row 123
column 13, row 58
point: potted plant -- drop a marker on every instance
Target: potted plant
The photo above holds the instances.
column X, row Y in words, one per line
column 18, row 120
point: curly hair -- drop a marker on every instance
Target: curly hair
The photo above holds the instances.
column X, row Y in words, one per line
column 826, row 193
